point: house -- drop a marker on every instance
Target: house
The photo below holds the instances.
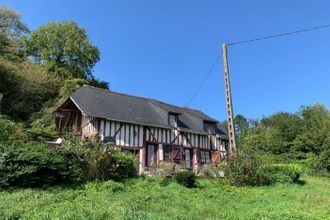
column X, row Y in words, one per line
column 155, row 131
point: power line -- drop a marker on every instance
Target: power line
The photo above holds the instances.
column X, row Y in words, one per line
column 279, row 35
column 250, row 41
column 204, row 80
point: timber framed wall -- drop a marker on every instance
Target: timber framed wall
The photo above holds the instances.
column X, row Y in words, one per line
column 132, row 135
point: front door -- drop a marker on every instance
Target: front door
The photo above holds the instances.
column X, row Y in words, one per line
column 151, row 155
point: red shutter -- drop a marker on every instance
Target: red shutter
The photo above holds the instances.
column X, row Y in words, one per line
column 216, row 157
column 198, row 155
column 177, row 155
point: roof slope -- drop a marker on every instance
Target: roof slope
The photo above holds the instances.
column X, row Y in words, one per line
column 103, row 103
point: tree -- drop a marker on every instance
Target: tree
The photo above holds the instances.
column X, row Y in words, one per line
column 316, row 129
column 241, row 128
column 26, row 88
column 64, row 48
column 11, row 31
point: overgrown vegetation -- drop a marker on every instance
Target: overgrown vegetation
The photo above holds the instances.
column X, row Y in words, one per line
column 147, row 198
column 284, row 137
column 39, row 69
column 75, row 161
column 246, row 171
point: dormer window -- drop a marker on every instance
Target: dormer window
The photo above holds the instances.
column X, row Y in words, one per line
column 173, row 120
column 209, row 127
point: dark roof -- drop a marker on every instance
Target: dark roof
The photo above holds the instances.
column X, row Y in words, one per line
column 106, row 104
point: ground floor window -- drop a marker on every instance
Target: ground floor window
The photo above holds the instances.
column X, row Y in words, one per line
column 151, row 155
column 188, row 158
column 205, row 156
column 172, row 154
column 130, row 151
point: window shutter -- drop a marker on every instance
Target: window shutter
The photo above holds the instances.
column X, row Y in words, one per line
column 198, row 155
column 216, row 157
column 177, row 156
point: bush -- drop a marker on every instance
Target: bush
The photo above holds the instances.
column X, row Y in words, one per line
column 29, row 165
column 9, row 131
column 286, row 173
column 76, row 156
column 186, row 178
column 110, row 163
column 242, row 171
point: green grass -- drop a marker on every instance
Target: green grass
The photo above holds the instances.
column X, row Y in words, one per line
column 149, row 199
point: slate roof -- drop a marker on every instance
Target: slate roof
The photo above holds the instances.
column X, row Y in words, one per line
column 101, row 103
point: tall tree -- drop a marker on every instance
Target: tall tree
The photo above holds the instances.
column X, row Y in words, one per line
column 64, row 48
column 241, row 128
column 11, row 31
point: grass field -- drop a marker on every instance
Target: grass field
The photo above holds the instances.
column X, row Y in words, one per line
column 149, row 199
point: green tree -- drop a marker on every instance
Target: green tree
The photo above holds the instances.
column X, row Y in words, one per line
column 64, row 48
column 316, row 129
column 11, row 31
column 26, row 88
column 241, row 128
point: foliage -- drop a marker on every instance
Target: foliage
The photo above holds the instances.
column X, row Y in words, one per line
column 11, row 31
column 287, row 173
column 285, row 137
column 25, row 88
column 207, row 171
column 112, row 163
column 145, row 198
column 246, row 171
column 29, row 165
column 241, row 127
column 64, row 48
column 242, row 171
column 323, row 159
column 186, row 178
column 7, row 129
column 76, row 156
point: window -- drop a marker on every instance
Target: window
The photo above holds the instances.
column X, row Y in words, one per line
column 150, row 155
column 173, row 120
column 130, row 151
column 209, row 127
column 167, row 150
column 205, row 157
column 172, row 154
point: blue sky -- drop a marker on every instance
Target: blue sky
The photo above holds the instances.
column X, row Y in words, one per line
column 163, row 49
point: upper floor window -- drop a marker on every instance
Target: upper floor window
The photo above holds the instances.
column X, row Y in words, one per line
column 209, row 127
column 173, row 119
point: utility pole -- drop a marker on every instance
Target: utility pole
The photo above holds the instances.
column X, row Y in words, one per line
column 229, row 103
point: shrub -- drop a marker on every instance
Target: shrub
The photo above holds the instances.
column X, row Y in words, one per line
column 8, row 130
column 186, row 178
column 242, row 170
column 287, row 173
column 110, row 163
column 76, row 156
column 29, row 165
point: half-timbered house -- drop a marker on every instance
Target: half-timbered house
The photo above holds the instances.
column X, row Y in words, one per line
column 155, row 131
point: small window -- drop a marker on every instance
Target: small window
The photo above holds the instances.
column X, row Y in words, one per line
column 173, row 120
column 167, row 153
column 209, row 127
column 172, row 154
column 205, row 157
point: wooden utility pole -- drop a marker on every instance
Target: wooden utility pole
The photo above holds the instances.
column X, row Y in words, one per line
column 229, row 104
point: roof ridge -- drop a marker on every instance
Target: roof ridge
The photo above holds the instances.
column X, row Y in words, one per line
column 140, row 97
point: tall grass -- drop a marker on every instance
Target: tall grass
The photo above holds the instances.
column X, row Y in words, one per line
column 147, row 198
